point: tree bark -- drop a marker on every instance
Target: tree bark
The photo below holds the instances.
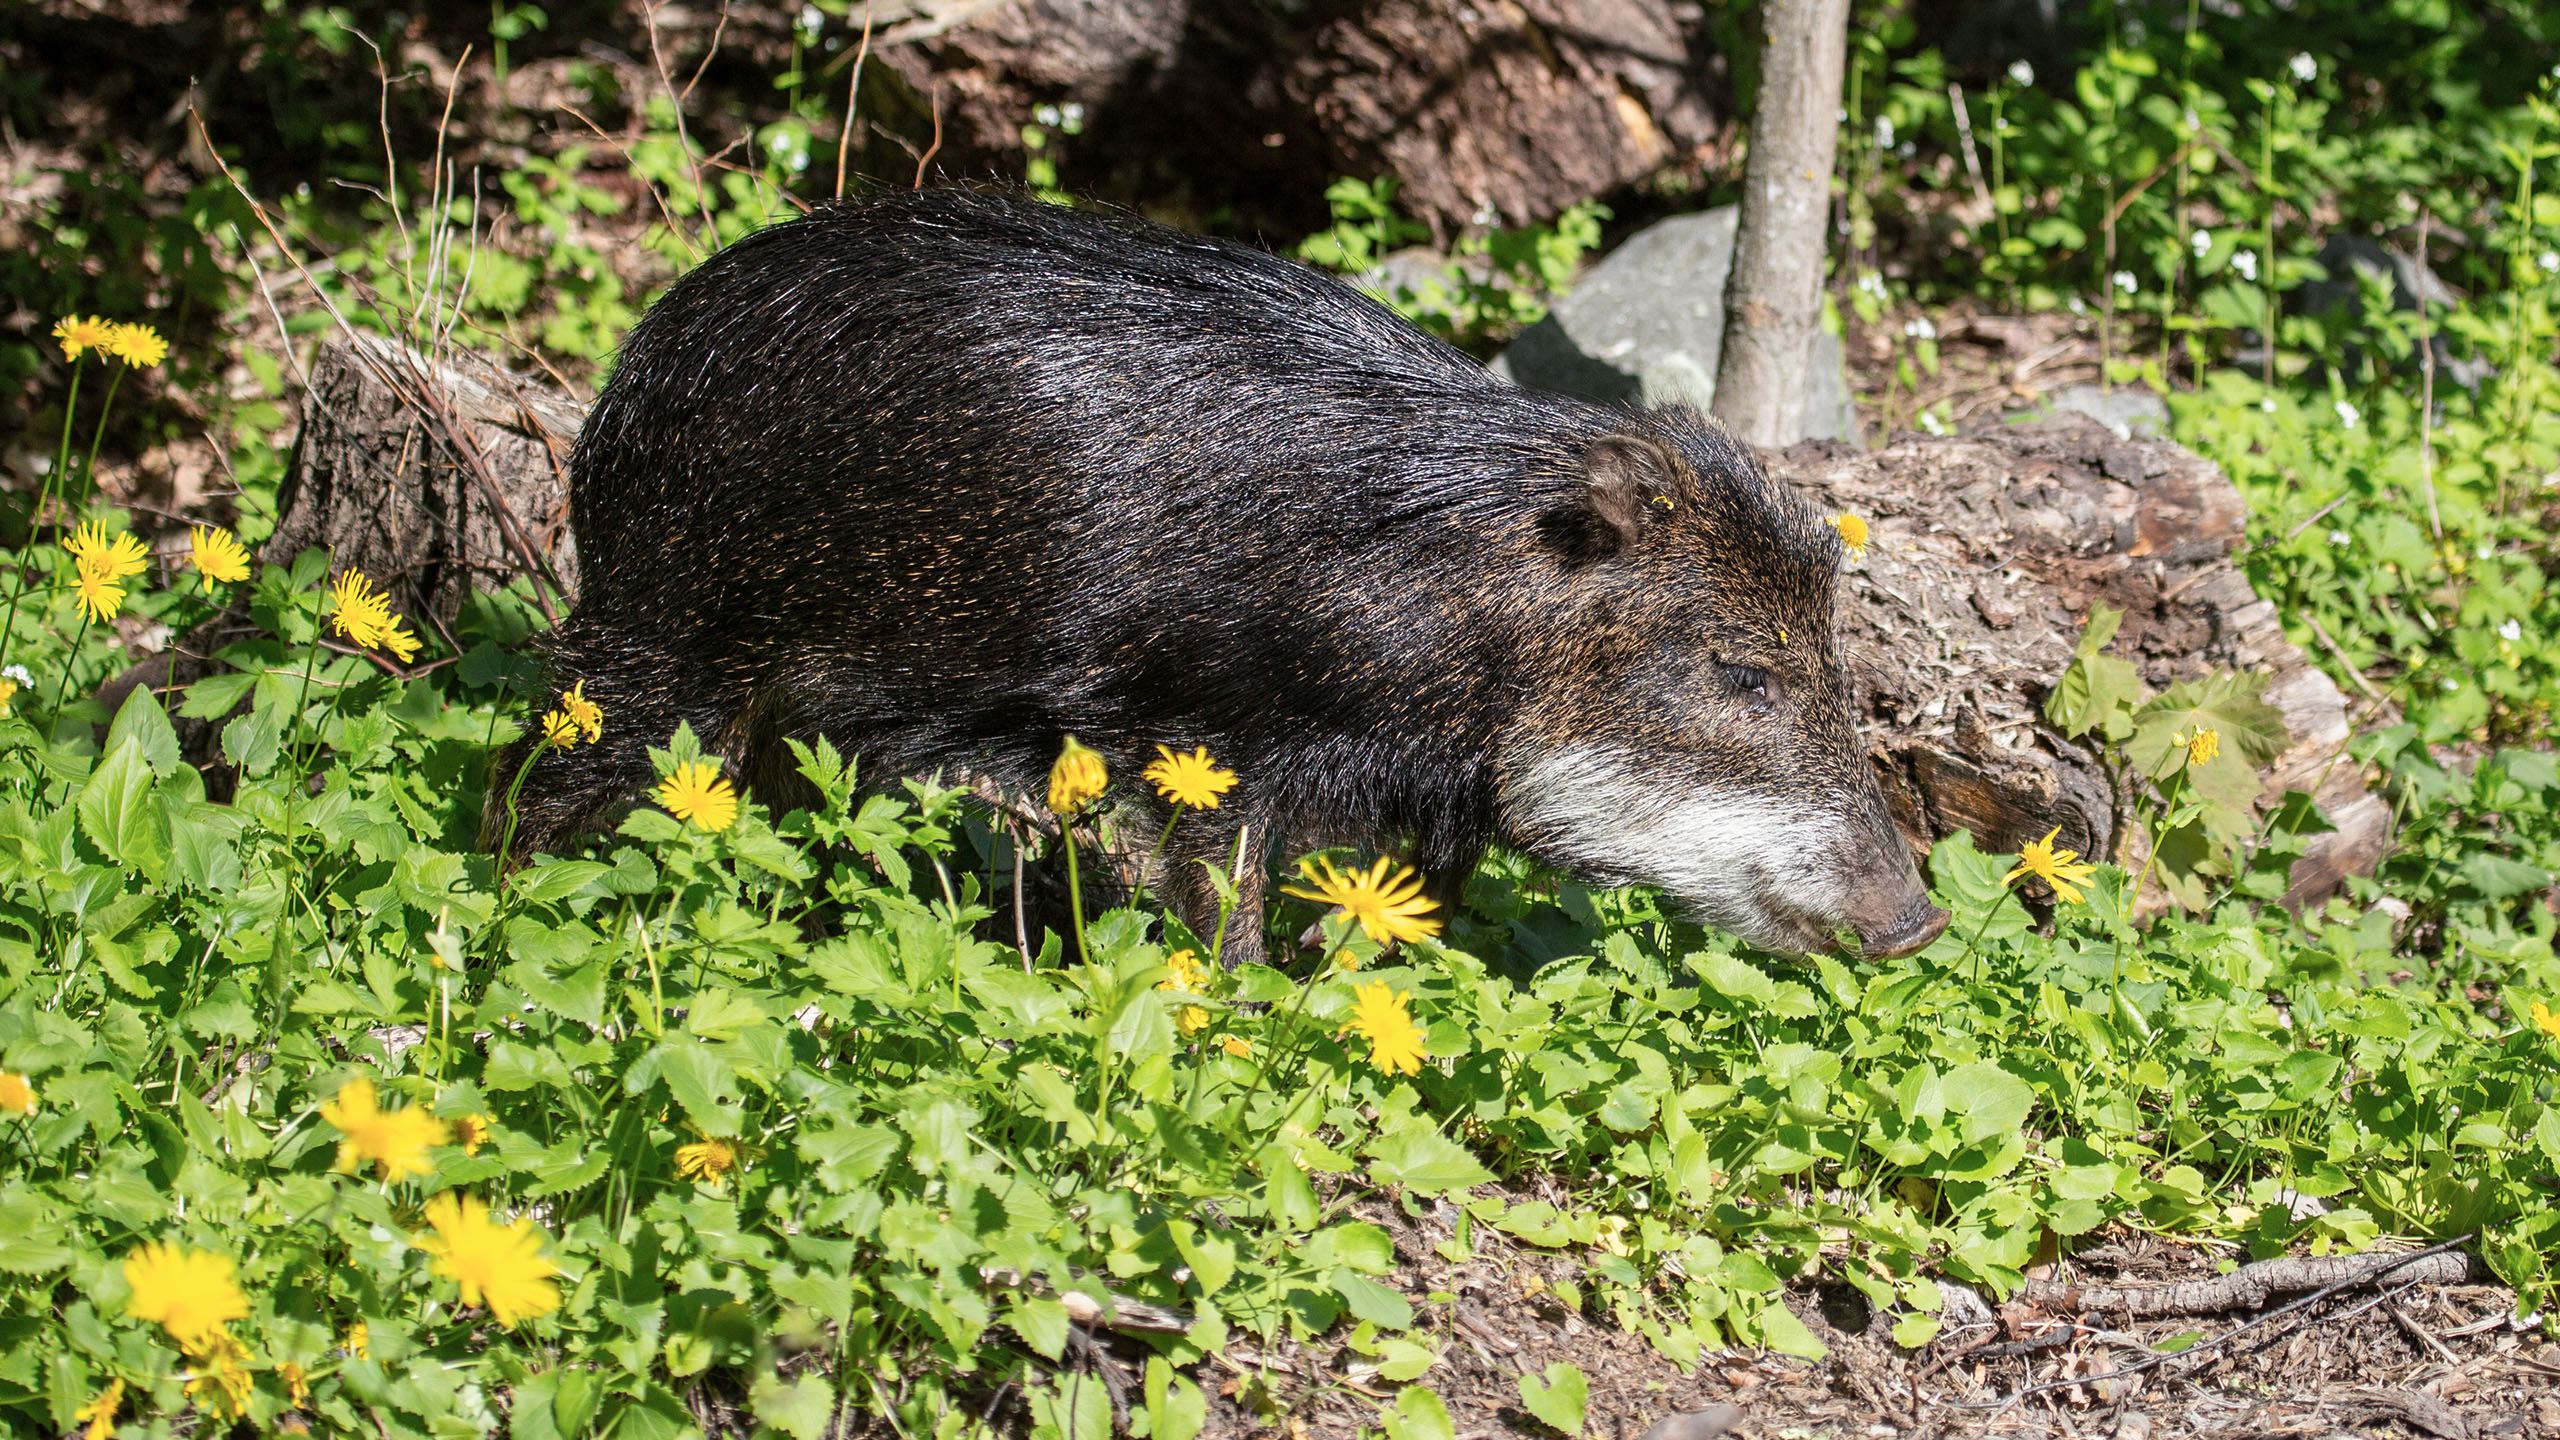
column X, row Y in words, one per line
column 1773, row 298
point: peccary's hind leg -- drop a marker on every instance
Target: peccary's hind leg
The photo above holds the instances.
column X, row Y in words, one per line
column 1206, row 840
column 643, row 692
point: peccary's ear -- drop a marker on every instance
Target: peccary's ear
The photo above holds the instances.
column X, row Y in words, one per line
column 1628, row 482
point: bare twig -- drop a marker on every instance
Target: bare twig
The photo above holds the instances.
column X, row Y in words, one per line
column 2315, row 516
column 2343, row 662
column 2426, row 385
column 1972, row 159
column 853, row 97
column 927, row 157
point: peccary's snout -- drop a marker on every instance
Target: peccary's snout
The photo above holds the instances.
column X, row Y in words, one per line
column 1909, row 927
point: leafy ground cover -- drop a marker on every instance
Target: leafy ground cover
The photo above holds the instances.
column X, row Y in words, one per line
column 737, row 1119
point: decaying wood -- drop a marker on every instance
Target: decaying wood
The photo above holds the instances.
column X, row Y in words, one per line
column 1987, row 551
column 2248, row 1288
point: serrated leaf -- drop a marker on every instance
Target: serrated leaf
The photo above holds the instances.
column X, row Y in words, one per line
column 1560, row 1399
column 121, row 815
column 1421, row 1159
column 141, row 720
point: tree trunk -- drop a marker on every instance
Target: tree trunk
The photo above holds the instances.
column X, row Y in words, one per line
column 1987, row 551
column 1773, row 298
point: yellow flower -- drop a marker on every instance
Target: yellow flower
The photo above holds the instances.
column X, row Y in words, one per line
column 17, row 1094
column 471, row 1132
column 221, row 1380
column 1395, row 1042
column 189, row 1293
column 559, row 731
column 358, row 1342
column 1194, row 779
column 397, row 1140
column 1237, row 1046
column 2544, row 1020
column 137, row 345
column 101, row 1412
column 1185, row 973
column 1853, row 533
column 297, row 1386
column 1076, row 780
column 1389, row 909
column 583, row 712
column 217, row 554
column 100, row 597
column 2205, row 745
column 2056, row 867
column 500, row 1266
column 696, row 792
column 360, row 612
column 108, row 557
column 1191, row 1020
column 8, row 692
column 708, row 1159
column 78, row 334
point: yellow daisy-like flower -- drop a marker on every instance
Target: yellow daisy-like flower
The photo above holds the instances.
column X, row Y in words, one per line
column 1853, row 533
column 110, row 557
column 2204, row 746
column 2055, row 867
column 2544, row 1020
column 1076, row 780
column 471, row 1132
column 8, row 692
column 1194, row 779
column 500, row 1266
column 297, row 1385
column 17, row 1093
column 79, row 334
column 100, row 1413
column 137, row 345
column 397, row 1140
column 1191, row 1020
column 217, row 554
column 1389, row 909
column 583, row 712
column 1237, row 1046
column 100, row 597
column 1395, row 1042
column 221, row 1382
column 696, row 792
column 559, row 731
column 1185, row 973
column 358, row 1341
column 189, row 1293
column 358, row 611
column 707, row 1159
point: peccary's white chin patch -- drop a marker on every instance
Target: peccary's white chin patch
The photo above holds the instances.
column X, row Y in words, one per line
column 1768, row 870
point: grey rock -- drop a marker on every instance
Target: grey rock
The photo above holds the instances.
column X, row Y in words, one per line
column 1704, row 1424
column 2347, row 258
column 1647, row 325
column 2131, row 411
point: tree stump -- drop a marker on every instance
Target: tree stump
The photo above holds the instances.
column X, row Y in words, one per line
column 1986, row 552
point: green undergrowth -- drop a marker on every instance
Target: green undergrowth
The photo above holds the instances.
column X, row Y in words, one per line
column 915, row 1154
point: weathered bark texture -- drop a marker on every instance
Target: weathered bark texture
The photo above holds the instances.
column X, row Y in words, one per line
column 1773, row 298
column 1987, row 551
column 1505, row 112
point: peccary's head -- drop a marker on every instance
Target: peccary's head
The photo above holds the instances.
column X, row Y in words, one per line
column 1690, row 726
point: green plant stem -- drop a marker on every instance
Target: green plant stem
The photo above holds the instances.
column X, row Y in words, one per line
column 98, row 438
column 1075, row 886
column 1297, row 1009
column 62, row 677
column 35, row 517
column 1162, row 839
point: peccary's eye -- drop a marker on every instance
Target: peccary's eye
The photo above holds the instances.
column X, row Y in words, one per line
column 1749, row 680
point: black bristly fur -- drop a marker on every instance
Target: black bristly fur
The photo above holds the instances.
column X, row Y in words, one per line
column 945, row 476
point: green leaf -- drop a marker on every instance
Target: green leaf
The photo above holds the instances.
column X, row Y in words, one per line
column 1177, row 1409
column 1419, row 1158
column 142, row 721
column 703, row 1082
column 1418, row 1415
column 1371, row 1301
column 1560, row 1399
column 1781, row 1331
column 119, row 812
column 1915, row 1330
column 252, row 742
column 1991, row 1100
column 1042, row 1323
column 1212, row 1258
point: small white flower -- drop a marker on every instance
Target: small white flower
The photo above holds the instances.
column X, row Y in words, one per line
column 1930, row 422
column 1074, row 116
column 1884, row 132
column 2204, row 242
column 2246, row 262
column 1045, row 115
column 2022, row 72
column 19, row 674
column 2340, row 537
column 1921, row 329
column 1844, row 115
column 2485, row 551
column 2549, row 260
column 2305, row 69
column 2452, row 684
column 2268, row 404
column 2125, row 281
column 1871, row 282
column 811, row 20
column 2510, row 630
column 2348, row 415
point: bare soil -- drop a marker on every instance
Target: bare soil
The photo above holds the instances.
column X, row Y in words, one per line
column 2442, row 1361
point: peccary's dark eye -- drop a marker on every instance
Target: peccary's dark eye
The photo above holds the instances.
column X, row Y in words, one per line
column 1748, row 680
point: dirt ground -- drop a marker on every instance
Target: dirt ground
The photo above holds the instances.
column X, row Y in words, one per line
column 2442, row 1361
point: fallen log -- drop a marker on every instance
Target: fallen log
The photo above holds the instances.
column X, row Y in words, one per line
column 1987, row 550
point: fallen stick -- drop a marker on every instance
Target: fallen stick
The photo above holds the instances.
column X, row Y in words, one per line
column 2248, row 1287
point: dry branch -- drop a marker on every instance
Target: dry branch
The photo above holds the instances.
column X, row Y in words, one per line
column 2249, row 1287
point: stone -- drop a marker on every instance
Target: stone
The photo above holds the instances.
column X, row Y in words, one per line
column 2131, row 411
column 1646, row 324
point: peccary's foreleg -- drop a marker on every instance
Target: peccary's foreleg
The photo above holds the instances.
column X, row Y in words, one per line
column 1234, row 842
